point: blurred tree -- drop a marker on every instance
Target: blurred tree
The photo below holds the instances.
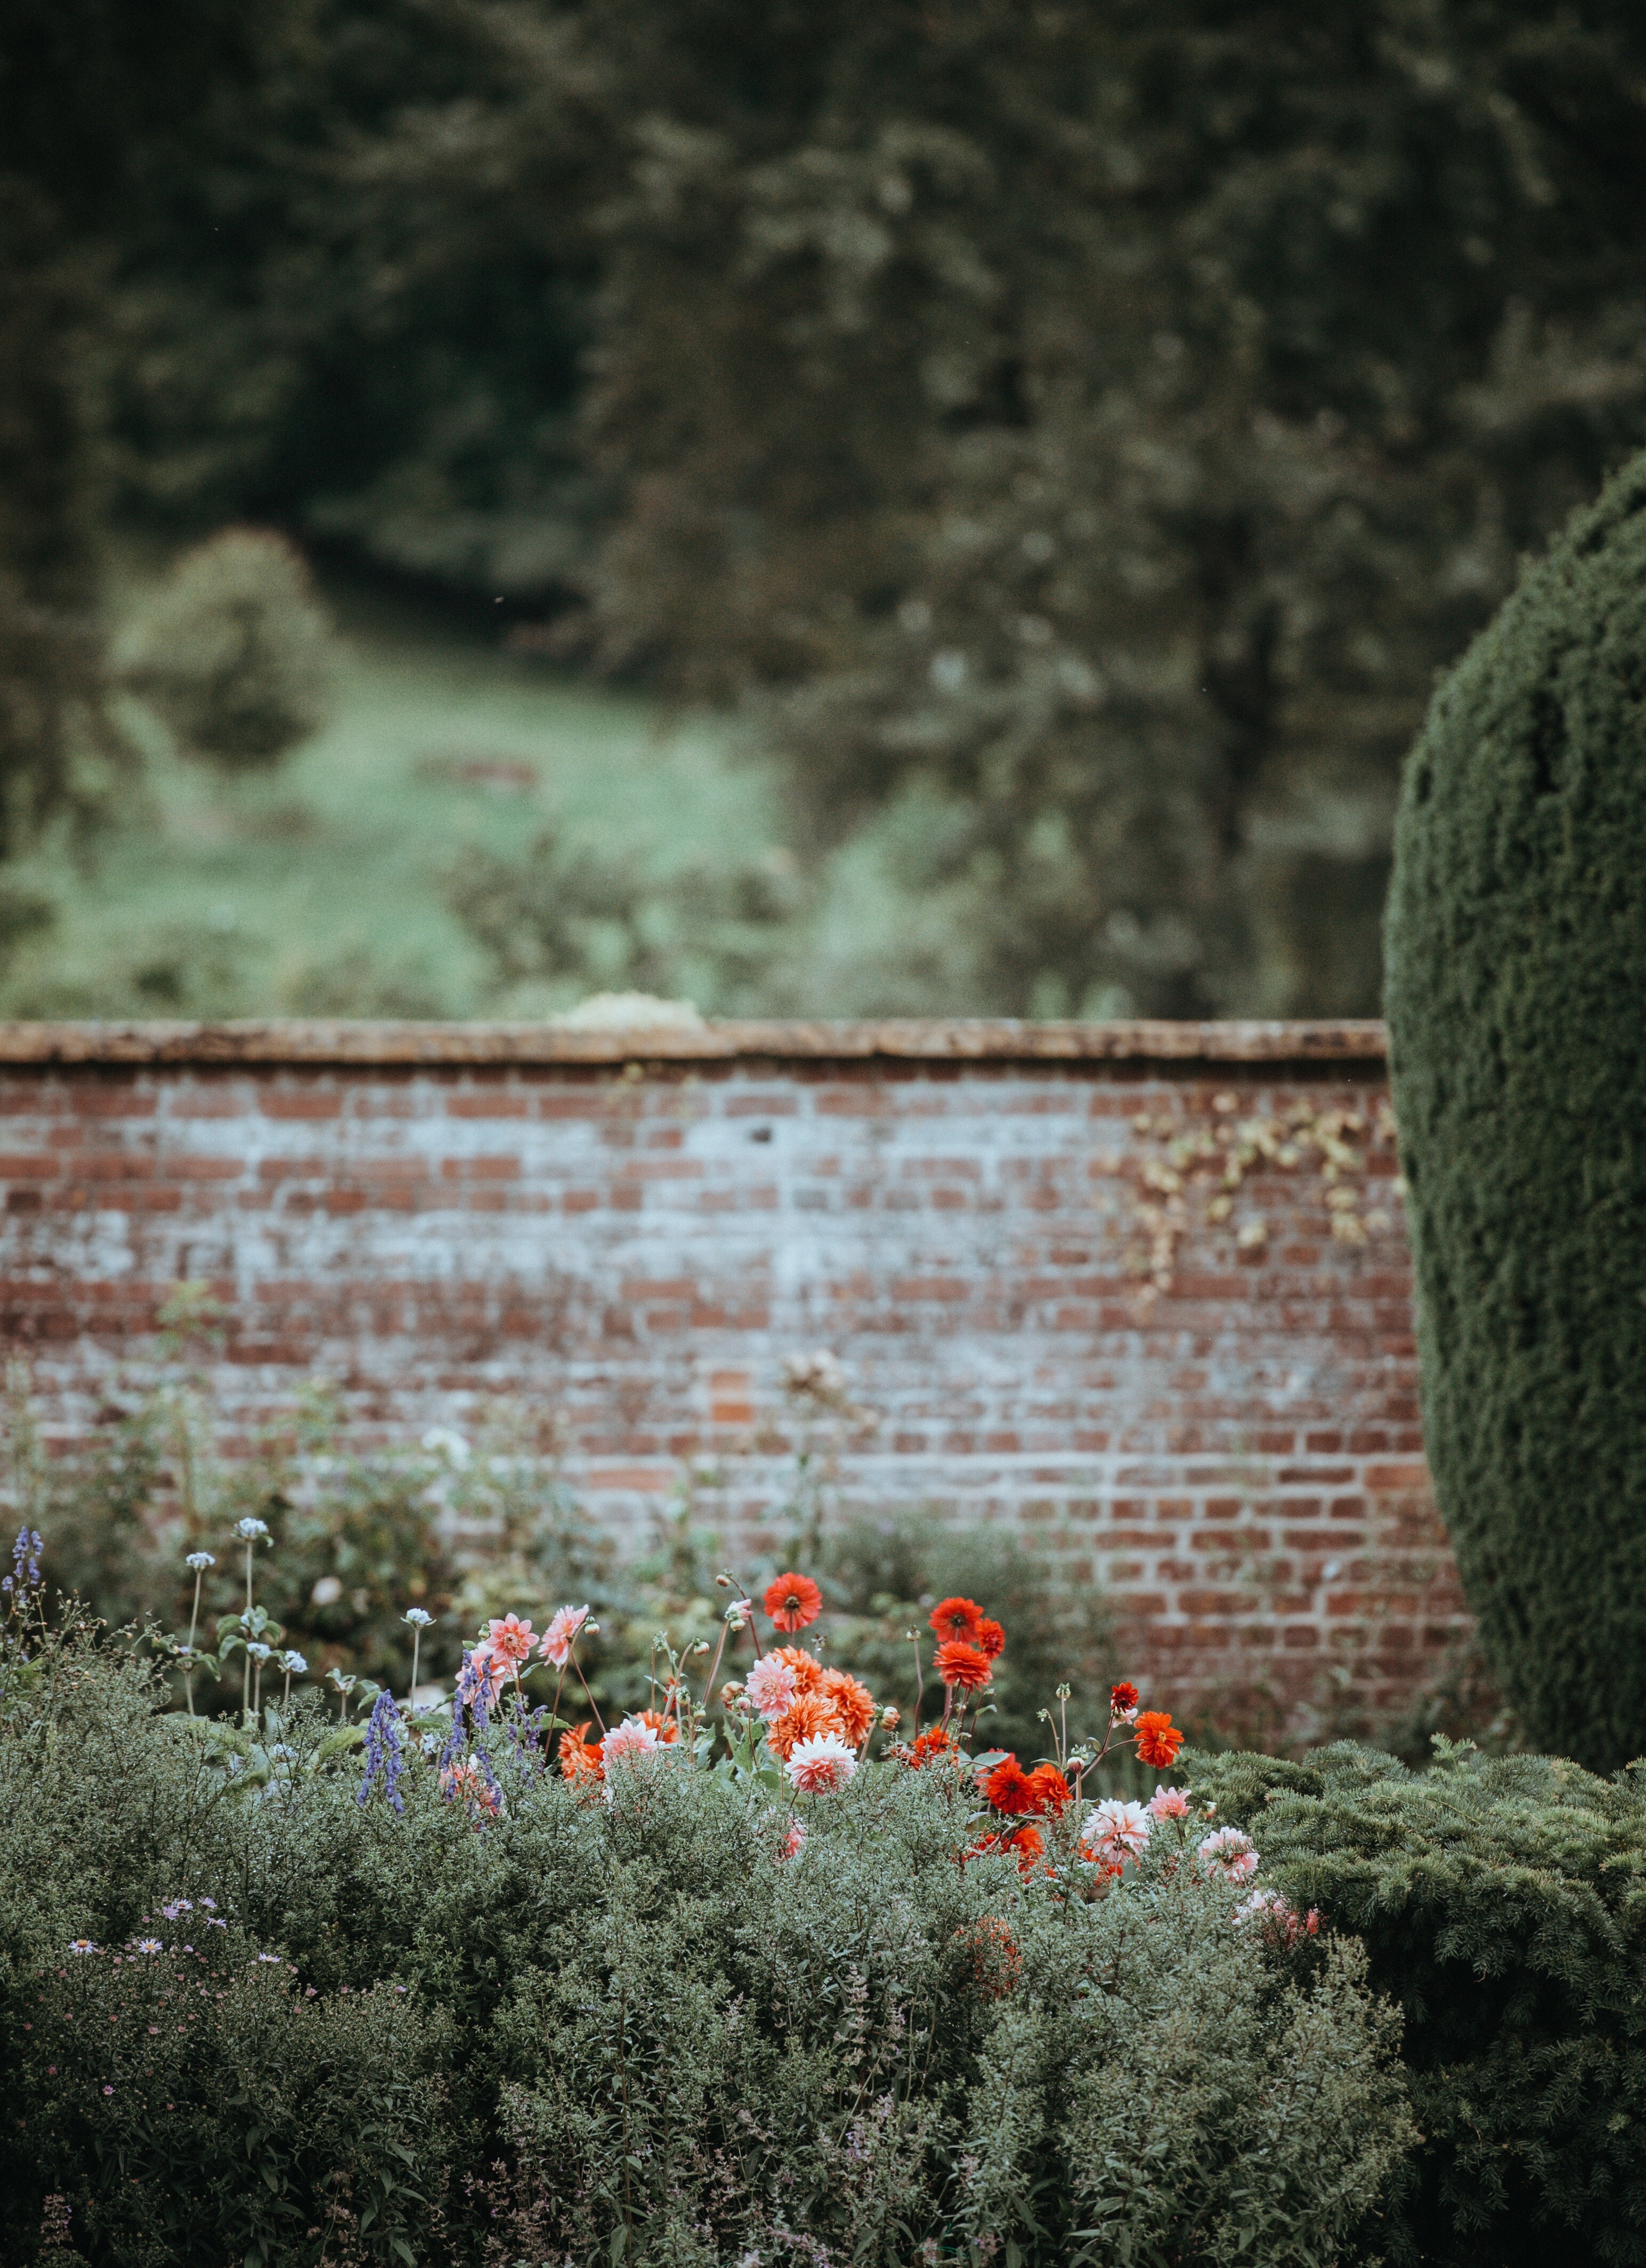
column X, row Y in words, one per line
column 1098, row 421
column 311, row 330
column 93, row 94
column 1078, row 432
column 234, row 651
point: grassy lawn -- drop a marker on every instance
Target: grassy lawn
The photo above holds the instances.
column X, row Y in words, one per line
column 317, row 888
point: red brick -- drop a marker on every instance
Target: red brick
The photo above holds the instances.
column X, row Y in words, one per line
column 972, row 1271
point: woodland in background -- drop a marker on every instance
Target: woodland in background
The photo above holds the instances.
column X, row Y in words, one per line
column 1073, row 436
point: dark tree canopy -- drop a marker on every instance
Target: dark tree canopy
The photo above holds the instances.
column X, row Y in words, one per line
column 1076, row 433
column 1517, row 942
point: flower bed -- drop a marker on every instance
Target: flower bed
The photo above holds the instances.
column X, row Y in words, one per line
column 509, row 1982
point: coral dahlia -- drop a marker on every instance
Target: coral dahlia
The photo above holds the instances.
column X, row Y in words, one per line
column 956, row 1618
column 580, row 1761
column 807, row 1718
column 852, row 1703
column 807, row 1669
column 991, row 1639
column 793, row 1602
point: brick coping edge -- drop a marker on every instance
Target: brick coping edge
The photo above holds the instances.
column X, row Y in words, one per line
column 966, row 1040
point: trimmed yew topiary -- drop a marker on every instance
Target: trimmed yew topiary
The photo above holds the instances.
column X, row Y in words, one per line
column 1516, row 1003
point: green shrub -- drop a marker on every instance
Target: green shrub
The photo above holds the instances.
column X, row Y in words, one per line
column 1502, row 1902
column 631, row 2030
column 234, row 652
column 1517, row 963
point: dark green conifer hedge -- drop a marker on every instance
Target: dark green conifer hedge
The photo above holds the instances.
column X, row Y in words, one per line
column 1516, row 1003
column 1503, row 1904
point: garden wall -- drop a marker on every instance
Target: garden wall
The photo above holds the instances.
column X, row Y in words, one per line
column 1142, row 1290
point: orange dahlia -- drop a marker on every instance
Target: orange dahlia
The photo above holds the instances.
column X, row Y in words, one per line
column 852, row 1703
column 1010, row 1789
column 961, row 1665
column 1158, row 1739
column 1051, row 1793
column 931, row 1746
column 793, row 1602
column 667, row 1728
column 956, row 1618
column 1026, row 1844
column 807, row 1718
column 990, row 1638
column 807, row 1669
column 581, row 1762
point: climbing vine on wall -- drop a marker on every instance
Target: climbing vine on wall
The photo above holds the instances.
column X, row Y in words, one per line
column 1191, row 1171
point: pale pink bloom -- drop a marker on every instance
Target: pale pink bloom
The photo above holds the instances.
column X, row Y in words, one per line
column 1169, row 1803
column 507, row 1636
column 562, row 1634
column 741, row 1614
column 890, row 1718
column 771, row 1686
column 1228, row 1856
column 794, row 1842
column 1261, row 1902
column 821, row 1766
column 1116, row 1830
column 631, row 1739
column 730, row 1693
column 491, row 1669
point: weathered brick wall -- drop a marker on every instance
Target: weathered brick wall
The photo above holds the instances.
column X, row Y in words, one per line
column 1142, row 1290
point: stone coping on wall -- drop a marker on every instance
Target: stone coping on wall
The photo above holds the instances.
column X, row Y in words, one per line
column 963, row 1040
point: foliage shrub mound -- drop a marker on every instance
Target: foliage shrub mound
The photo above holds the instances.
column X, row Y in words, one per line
column 234, row 652
column 1502, row 1902
column 677, row 2014
column 1516, row 964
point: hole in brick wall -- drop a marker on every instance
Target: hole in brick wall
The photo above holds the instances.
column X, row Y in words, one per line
column 759, row 1134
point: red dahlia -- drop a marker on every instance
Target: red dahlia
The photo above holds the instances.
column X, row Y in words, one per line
column 1158, row 1739
column 961, row 1665
column 957, row 1619
column 1010, row 1789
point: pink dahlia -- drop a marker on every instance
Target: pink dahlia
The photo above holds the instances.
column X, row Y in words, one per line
column 633, row 1738
column 1169, row 1803
column 771, row 1685
column 1228, row 1856
column 509, row 1637
column 821, row 1766
column 1115, row 1831
column 562, row 1634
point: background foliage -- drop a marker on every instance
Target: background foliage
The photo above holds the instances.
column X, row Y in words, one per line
column 1072, row 436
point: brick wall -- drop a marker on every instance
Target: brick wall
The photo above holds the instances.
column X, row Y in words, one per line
column 1142, row 1290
